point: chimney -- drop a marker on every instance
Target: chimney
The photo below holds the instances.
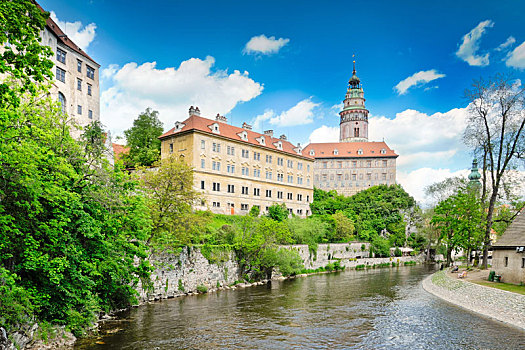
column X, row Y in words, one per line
column 269, row 133
column 282, row 137
column 191, row 111
column 221, row 118
column 246, row 126
column 197, row 111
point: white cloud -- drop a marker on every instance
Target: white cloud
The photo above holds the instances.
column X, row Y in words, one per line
column 324, row 134
column 264, row 45
column 300, row 114
column 171, row 91
column 80, row 35
column 417, row 79
column 421, row 139
column 516, row 58
column 470, row 45
column 414, row 182
column 509, row 42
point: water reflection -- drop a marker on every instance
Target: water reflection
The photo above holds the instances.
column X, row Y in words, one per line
column 377, row 309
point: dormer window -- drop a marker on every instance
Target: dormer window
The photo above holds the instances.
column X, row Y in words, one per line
column 179, row 126
column 312, row 152
column 360, row 151
column 215, row 128
column 279, row 145
column 261, row 140
column 336, row 152
column 383, row 151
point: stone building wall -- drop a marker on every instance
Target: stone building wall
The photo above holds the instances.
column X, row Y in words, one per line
column 514, row 270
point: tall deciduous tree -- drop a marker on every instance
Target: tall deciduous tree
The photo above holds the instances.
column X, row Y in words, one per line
column 171, row 197
column 495, row 131
column 22, row 57
column 143, row 139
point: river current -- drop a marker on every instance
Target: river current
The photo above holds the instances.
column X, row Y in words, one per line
column 374, row 309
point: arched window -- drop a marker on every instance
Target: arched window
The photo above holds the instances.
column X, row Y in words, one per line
column 356, row 132
column 62, row 101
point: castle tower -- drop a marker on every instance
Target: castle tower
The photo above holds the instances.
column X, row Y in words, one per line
column 354, row 116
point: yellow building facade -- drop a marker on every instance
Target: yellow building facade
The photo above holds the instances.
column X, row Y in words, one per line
column 236, row 168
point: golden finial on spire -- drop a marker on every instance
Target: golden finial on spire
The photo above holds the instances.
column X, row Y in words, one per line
column 353, row 56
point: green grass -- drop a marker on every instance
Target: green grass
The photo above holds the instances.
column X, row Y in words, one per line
column 503, row 286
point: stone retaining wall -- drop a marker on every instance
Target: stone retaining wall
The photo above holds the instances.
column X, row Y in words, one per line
column 498, row 304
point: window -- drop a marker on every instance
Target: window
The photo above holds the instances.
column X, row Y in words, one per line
column 325, row 165
column 290, row 179
column 62, row 101
column 299, row 180
column 230, row 150
column 290, row 163
column 256, row 156
column 89, row 89
column 308, row 182
column 299, row 212
column 289, row 196
column 385, row 163
column 202, row 184
column 90, row 114
column 268, row 158
column 279, row 195
column 79, row 109
column 307, row 198
column 268, row 193
column 244, row 190
column 216, row 204
column 299, row 197
column 61, row 56
column 256, row 173
column 308, row 167
column 216, row 186
column 339, row 165
column 506, row 261
column 231, row 188
column 280, row 177
column 90, row 72
column 256, row 191
column 79, row 66
column 354, row 177
column 245, row 171
column 203, row 162
column 61, row 75
column 356, row 132
column 354, row 164
column 244, row 206
column 79, row 84
column 269, row 175
column 523, row 263
column 216, row 165
column 203, row 144
column 299, row 166
column 245, row 153
column 280, row 161
column 216, row 147
column 368, row 164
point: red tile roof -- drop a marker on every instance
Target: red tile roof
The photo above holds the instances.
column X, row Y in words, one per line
column 62, row 37
column 119, row 150
column 349, row 149
column 231, row 132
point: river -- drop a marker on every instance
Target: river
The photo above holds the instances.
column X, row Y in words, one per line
column 375, row 309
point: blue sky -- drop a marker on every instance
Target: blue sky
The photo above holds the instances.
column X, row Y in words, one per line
column 284, row 65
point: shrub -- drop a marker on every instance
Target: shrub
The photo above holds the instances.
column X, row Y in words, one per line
column 202, row 289
column 181, row 286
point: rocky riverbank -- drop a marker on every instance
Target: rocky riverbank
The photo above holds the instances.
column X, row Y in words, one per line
column 503, row 306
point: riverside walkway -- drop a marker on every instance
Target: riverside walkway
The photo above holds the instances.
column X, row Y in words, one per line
column 498, row 304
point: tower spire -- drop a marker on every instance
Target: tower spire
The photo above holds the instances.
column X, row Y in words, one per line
column 353, row 56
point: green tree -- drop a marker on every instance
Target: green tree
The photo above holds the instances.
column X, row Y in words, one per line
column 495, row 130
column 343, row 227
column 278, row 212
column 23, row 60
column 169, row 188
column 143, row 139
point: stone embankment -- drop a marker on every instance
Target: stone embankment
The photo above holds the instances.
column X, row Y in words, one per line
column 182, row 273
column 494, row 303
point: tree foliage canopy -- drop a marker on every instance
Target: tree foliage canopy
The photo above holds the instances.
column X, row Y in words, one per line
column 143, row 139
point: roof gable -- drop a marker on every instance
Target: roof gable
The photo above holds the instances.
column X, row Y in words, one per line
column 349, row 150
column 514, row 235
